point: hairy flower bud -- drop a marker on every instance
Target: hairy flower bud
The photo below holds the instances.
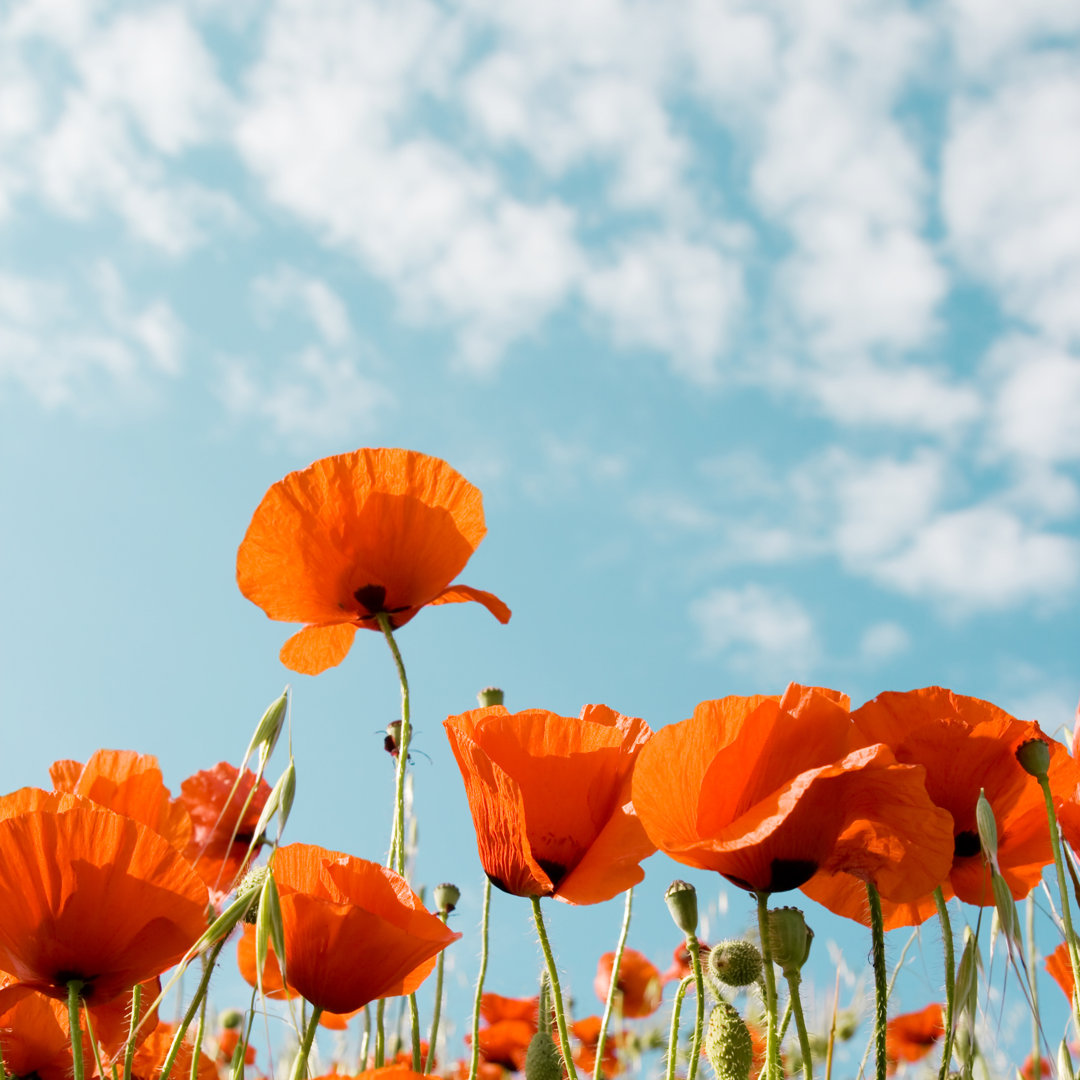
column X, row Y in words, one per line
column 728, row 1044
column 735, row 962
column 543, row 1060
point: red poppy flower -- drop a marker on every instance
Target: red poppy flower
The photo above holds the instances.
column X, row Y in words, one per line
column 92, row 895
column 681, row 966
column 150, row 1056
column 1028, row 1072
column 911, row 1036
column 639, row 983
column 495, row 1007
column 1059, row 966
column 273, row 987
column 505, row 1043
column 587, row 1033
column 355, row 536
column 227, row 1041
column 550, row 799
column 130, row 784
column 224, row 811
column 966, row 745
column 35, row 1039
column 354, row 931
column 772, row 791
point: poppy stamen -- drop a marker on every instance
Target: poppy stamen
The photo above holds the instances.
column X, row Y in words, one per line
column 372, row 597
column 966, row 844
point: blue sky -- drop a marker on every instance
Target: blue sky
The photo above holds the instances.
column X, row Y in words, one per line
column 756, row 324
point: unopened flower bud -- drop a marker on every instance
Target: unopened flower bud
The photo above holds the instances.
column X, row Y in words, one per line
column 735, row 962
column 681, row 899
column 446, row 896
column 847, row 1023
column 490, row 695
column 728, row 1044
column 543, row 1060
column 789, row 938
column 231, row 1018
column 1034, row 757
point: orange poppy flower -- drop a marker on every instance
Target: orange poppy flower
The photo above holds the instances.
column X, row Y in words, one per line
column 224, row 821
column 587, row 1033
column 639, row 983
column 35, row 1039
column 227, row 1041
column 495, row 1007
column 550, row 799
column 130, row 784
column 150, row 1056
column 358, row 535
column 681, row 966
column 91, row 895
column 1028, row 1072
column 772, row 791
column 386, row 1072
column 966, row 745
column 1059, row 966
column 354, row 931
column 505, row 1043
column 911, row 1036
column 273, row 987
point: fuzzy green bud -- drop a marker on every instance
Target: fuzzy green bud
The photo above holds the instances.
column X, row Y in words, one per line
column 231, row 1018
column 728, row 1044
column 543, row 1060
column 681, row 899
column 847, row 1023
column 790, row 938
column 446, row 896
column 1034, row 757
column 735, row 962
column 490, row 695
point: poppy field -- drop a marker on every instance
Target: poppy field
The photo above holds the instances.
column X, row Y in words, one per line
column 120, row 901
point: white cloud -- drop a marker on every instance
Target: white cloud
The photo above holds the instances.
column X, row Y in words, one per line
column 670, row 294
column 67, row 353
column 1036, row 410
column 1010, row 198
column 983, row 558
column 312, row 398
column 757, row 628
column 909, row 397
column 986, row 36
column 883, row 641
column 324, row 307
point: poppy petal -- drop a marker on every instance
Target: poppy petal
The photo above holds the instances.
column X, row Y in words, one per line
column 460, row 594
column 316, row 648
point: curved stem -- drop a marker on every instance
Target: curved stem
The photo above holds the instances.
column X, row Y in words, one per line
column 556, row 991
column 300, row 1065
column 437, row 1008
column 474, row 1063
column 794, row 980
column 74, row 1007
column 396, row 858
column 614, row 984
column 694, row 948
column 1066, row 912
column 380, row 1033
column 772, row 1048
column 881, row 992
column 673, row 1036
column 950, row 980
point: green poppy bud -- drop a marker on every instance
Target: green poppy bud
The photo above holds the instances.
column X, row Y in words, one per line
column 728, row 1044
column 735, row 962
column 543, row 1060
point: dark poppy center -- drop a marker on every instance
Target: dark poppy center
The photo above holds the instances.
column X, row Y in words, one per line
column 784, row 874
column 555, row 871
column 966, row 844
column 372, row 597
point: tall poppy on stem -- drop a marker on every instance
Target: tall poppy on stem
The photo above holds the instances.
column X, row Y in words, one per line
column 375, row 532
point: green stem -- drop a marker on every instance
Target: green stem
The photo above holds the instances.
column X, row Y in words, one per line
column 673, row 1036
column 1066, row 913
column 193, row 1008
column 380, row 1033
column 881, row 992
column 200, row 1031
column 300, row 1065
column 556, row 990
column 74, row 1006
column 950, row 981
column 129, row 1049
column 694, row 948
column 772, row 1048
column 794, row 980
column 613, row 986
column 365, row 1040
column 396, row 858
column 414, row 1023
column 474, row 1062
column 437, row 1008
column 1033, row 984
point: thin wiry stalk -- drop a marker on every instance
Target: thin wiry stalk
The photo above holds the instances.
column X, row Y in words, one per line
column 614, row 985
column 556, row 990
column 474, row 1063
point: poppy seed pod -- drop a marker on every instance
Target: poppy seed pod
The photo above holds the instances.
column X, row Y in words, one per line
column 446, row 896
column 1034, row 757
column 490, row 695
column 728, row 1044
column 735, row 962
column 790, row 938
column 681, row 899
